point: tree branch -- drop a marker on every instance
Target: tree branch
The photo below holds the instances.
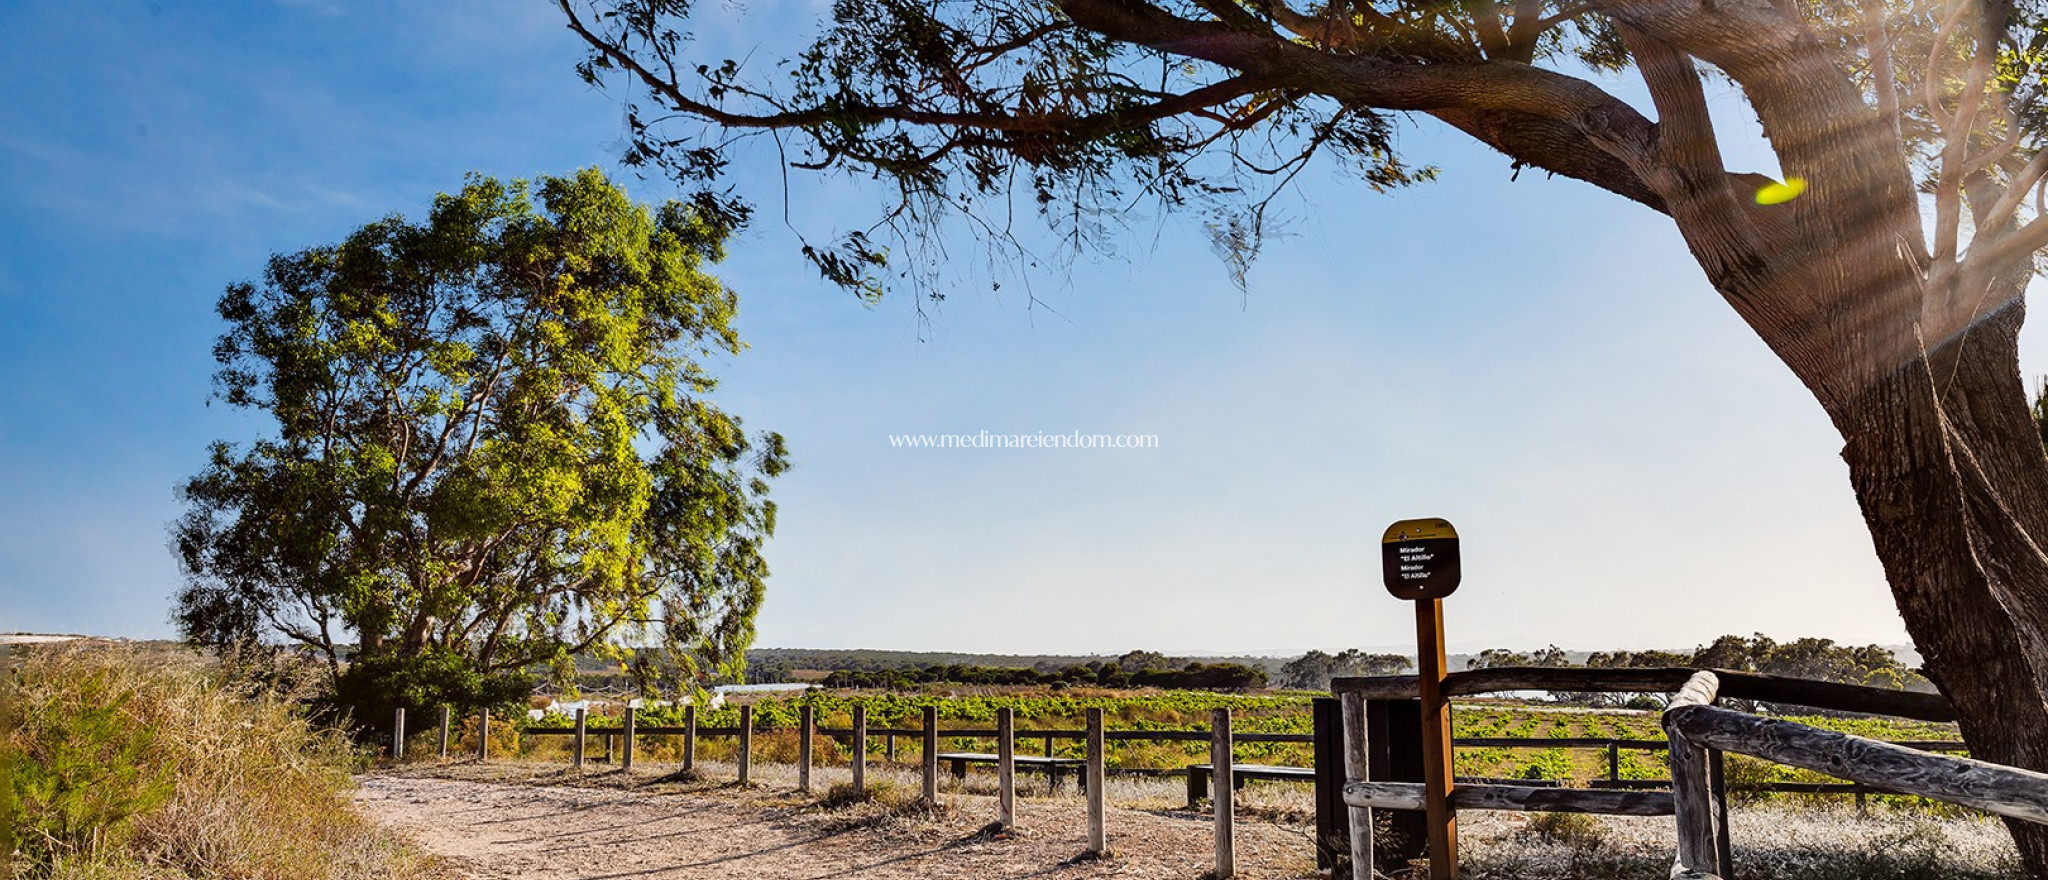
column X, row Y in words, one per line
column 1571, row 126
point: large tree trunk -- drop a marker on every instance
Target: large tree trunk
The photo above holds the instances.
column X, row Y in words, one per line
column 1953, row 481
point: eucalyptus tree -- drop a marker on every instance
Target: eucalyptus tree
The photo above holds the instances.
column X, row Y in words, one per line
column 1885, row 264
column 493, row 449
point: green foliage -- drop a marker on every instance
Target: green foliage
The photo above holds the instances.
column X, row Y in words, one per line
column 493, row 449
column 76, row 779
column 1313, row 670
column 957, row 107
column 371, row 687
column 1205, row 676
column 137, row 762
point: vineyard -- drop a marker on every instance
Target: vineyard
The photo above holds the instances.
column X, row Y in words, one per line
column 777, row 717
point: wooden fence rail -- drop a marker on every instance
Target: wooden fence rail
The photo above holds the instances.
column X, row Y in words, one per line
column 1693, row 722
column 1697, row 733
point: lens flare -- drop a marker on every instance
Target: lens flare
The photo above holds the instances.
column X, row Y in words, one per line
column 1780, row 193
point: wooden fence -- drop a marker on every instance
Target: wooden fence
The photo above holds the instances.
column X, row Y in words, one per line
column 1221, row 741
column 1697, row 733
column 1392, row 763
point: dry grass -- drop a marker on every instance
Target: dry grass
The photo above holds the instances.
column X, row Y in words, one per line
column 231, row 780
column 1780, row 840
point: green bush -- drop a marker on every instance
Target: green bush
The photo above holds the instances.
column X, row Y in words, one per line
column 76, row 779
column 372, row 687
column 132, row 763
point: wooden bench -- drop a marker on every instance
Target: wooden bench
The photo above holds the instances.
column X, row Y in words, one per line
column 1053, row 767
column 1198, row 778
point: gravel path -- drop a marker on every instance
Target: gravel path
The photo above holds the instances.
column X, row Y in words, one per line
column 513, row 831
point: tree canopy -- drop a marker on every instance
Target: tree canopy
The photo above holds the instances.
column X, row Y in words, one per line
column 1884, row 260
column 493, row 448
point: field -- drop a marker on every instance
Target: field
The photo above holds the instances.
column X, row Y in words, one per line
column 1190, row 710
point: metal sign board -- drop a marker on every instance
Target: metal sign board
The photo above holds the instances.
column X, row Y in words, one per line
column 1419, row 558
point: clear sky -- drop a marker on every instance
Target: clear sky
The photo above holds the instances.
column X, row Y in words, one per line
column 1535, row 360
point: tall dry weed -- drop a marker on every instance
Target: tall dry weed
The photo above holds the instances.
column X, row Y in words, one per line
column 229, row 780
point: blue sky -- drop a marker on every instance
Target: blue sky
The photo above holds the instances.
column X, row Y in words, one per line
column 1535, row 360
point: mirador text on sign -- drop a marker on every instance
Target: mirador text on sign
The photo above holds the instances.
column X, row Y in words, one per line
column 1419, row 558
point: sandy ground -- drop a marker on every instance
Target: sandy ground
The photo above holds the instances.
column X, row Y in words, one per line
column 519, row 820
column 514, row 830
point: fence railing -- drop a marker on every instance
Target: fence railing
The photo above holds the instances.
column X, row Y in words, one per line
column 1222, row 743
column 1696, row 727
column 1697, row 733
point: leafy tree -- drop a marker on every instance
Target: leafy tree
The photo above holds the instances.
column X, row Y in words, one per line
column 1886, row 269
column 1550, row 656
column 1313, row 670
column 493, row 450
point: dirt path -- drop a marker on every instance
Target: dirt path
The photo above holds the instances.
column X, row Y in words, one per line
column 501, row 831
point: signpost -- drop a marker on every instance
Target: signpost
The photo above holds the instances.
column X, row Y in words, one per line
column 1419, row 558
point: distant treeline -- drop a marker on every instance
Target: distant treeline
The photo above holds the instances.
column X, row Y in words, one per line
column 1813, row 658
column 1810, row 658
column 1191, row 676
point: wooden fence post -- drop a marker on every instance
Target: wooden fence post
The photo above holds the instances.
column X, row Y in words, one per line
column 1098, row 837
column 1006, row 768
column 1333, row 818
column 690, row 737
column 1223, row 782
column 889, row 748
column 398, row 734
column 1691, row 790
column 1717, row 785
column 1613, row 761
column 1048, row 747
column 807, row 727
column 582, row 730
column 1394, row 754
column 1357, row 766
column 860, row 749
column 483, row 735
column 931, row 756
column 746, row 742
column 626, row 755
column 442, row 752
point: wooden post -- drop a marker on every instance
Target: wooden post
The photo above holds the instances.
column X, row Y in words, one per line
column 889, row 748
column 1358, row 766
column 626, row 756
column 1006, row 768
column 931, row 755
column 1691, row 789
column 860, row 749
column 1098, row 837
column 1048, row 747
column 1223, row 784
column 1437, row 774
column 483, row 735
column 582, row 732
column 1613, row 761
column 1332, row 819
column 690, row 737
column 442, row 752
column 1717, row 785
column 1393, row 738
column 746, row 742
column 806, row 728
column 398, row 734
column 1691, row 795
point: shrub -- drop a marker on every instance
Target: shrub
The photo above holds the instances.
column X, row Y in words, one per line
column 119, row 762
